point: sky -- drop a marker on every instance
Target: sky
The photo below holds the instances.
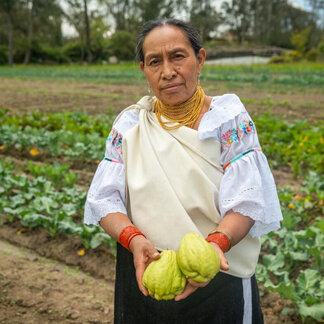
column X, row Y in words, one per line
column 300, row 3
column 69, row 30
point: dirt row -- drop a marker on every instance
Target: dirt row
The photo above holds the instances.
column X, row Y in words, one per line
column 85, row 171
column 34, row 289
column 45, row 280
column 67, row 95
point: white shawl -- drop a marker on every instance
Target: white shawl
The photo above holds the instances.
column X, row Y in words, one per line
column 173, row 183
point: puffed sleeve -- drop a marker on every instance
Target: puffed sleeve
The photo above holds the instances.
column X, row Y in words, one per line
column 247, row 186
column 107, row 190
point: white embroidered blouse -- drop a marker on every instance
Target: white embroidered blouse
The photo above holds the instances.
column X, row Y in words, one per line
column 247, row 186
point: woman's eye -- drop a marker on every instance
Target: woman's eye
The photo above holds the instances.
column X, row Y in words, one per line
column 153, row 62
column 179, row 56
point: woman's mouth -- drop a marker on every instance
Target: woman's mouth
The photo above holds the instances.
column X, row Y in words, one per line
column 171, row 87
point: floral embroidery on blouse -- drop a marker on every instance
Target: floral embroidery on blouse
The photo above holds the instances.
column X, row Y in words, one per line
column 116, row 140
column 244, row 128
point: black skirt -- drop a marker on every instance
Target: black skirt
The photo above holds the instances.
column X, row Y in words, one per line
column 220, row 302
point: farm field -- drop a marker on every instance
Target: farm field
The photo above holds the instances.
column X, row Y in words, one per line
column 54, row 123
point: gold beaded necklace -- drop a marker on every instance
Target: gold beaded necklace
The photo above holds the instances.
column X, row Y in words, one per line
column 185, row 114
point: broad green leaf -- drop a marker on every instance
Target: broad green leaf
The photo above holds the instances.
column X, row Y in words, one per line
column 310, row 300
column 69, row 227
column 11, row 211
column 95, row 242
column 299, row 256
column 286, row 291
column 315, row 311
column 17, row 200
column 261, row 272
column 274, row 262
column 283, row 276
column 320, row 224
column 287, row 310
column 308, row 280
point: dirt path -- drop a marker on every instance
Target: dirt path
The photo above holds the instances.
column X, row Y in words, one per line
column 69, row 95
column 34, row 289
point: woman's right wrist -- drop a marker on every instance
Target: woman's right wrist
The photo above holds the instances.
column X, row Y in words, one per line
column 127, row 234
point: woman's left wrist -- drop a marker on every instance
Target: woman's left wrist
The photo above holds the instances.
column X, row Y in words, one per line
column 221, row 238
column 135, row 241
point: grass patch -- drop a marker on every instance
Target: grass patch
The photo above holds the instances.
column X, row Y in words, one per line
column 301, row 74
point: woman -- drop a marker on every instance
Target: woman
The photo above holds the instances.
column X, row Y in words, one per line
column 183, row 162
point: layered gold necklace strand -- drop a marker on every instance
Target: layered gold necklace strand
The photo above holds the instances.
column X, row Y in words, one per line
column 184, row 114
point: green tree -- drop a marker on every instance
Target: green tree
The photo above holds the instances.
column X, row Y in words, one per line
column 8, row 7
column 132, row 14
column 154, row 9
column 44, row 19
column 317, row 7
column 121, row 11
column 78, row 16
column 87, row 30
column 204, row 18
column 289, row 19
column 274, row 21
column 239, row 16
column 122, row 44
column 300, row 40
column 99, row 38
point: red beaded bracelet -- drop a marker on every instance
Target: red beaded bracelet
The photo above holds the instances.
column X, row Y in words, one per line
column 127, row 234
column 222, row 239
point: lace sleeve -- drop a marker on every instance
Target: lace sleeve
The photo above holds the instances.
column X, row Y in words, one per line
column 248, row 185
column 107, row 190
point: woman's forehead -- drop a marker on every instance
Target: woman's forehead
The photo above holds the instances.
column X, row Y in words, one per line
column 167, row 38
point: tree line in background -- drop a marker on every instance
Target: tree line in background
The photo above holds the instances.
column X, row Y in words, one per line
column 31, row 30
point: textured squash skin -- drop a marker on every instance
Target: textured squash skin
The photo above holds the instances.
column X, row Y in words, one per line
column 163, row 277
column 197, row 259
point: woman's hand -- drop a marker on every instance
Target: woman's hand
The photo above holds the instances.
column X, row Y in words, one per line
column 143, row 253
column 223, row 261
column 192, row 286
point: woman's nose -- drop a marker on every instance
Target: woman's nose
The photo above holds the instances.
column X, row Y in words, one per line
column 168, row 71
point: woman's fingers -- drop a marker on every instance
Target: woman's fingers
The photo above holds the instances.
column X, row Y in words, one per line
column 223, row 261
column 154, row 254
column 198, row 284
column 144, row 253
column 224, row 264
column 140, row 268
column 189, row 289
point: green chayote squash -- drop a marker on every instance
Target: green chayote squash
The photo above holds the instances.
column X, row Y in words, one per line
column 197, row 259
column 163, row 277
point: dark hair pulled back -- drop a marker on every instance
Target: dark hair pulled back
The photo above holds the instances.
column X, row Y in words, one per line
column 191, row 33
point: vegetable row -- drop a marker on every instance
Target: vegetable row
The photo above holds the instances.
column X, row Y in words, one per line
column 36, row 202
column 297, row 144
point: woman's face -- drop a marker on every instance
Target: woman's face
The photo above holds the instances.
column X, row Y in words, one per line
column 170, row 64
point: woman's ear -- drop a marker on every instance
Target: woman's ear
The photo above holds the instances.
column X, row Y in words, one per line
column 201, row 58
column 142, row 66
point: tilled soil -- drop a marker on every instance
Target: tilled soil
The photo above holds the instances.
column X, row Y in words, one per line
column 68, row 95
column 35, row 289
